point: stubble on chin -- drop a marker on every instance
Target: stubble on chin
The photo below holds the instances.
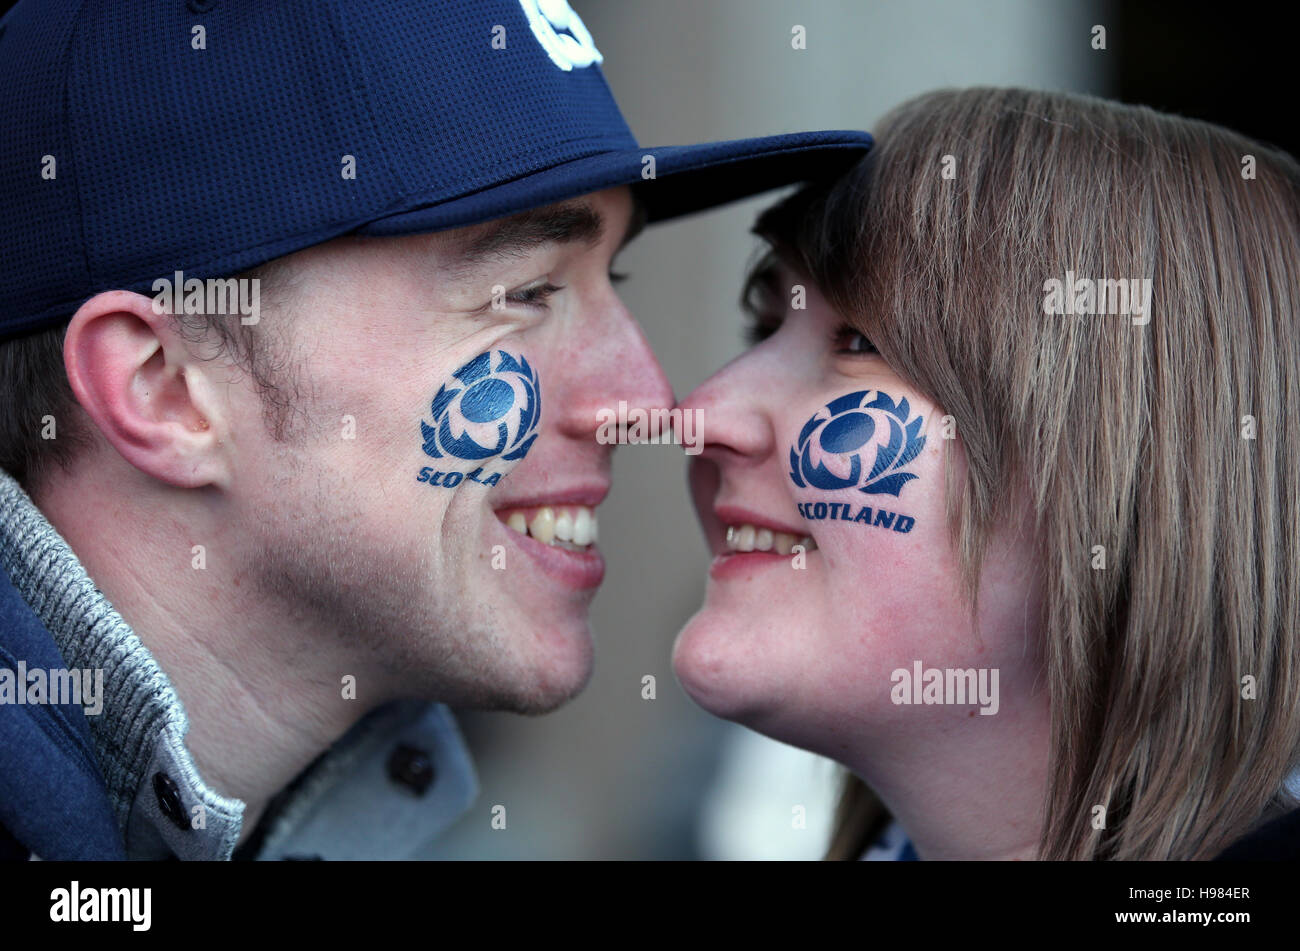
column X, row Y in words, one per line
column 409, row 624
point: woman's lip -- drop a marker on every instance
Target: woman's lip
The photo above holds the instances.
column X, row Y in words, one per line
column 725, row 514
column 580, row 570
column 732, row 564
column 738, row 515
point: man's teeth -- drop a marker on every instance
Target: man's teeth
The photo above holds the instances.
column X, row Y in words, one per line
column 567, row 526
column 749, row 538
column 542, row 527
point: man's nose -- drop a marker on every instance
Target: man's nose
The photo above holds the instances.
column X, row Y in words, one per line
column 615, row 365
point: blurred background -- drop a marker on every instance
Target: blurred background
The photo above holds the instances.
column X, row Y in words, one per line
column 613, row 775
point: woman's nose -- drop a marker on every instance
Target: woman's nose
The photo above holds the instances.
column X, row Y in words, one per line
column 732, row 408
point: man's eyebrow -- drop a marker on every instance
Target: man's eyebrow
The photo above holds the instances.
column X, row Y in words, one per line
column 525, row 232
column 518, row 235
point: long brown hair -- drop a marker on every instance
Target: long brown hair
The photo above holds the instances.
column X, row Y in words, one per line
column 1172, row 447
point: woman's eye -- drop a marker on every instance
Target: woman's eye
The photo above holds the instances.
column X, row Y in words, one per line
column 534, row 295
column 848, row 340
column 759, row 327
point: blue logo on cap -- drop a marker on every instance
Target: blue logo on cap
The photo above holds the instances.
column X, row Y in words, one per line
column 493, row 412
column 843, row 432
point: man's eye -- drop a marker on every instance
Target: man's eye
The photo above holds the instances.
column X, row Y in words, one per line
column 534, row 295
column 848, row 340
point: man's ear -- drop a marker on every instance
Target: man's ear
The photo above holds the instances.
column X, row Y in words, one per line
column 153, row 400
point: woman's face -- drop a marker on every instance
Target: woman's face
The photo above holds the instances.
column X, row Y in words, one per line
column 810, row 434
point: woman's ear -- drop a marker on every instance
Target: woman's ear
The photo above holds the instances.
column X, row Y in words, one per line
column 149, row 395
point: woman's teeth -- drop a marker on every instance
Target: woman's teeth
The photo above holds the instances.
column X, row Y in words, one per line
column 568, row 526
column 749, row 538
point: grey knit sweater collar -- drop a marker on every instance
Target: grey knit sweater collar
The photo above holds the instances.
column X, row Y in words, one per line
column 345, row 807
column 143, row 721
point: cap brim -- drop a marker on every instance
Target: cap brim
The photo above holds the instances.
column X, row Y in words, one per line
column 687, row 179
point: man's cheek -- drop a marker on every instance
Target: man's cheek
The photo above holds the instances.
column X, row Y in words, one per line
column 481, row 422
column 853, row 466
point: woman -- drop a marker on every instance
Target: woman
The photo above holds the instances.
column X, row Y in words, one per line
column 1029, row 380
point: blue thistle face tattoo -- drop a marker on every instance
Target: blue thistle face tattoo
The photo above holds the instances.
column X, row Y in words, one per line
column 833, row 453
column 482, row 421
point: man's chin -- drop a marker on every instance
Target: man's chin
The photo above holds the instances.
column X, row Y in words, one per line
column 563, row 669
column 553, row 668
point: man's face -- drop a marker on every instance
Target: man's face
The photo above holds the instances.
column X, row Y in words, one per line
column 421, row 364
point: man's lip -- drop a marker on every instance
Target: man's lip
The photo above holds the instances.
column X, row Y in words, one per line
column 589, row 496
column 579, row 570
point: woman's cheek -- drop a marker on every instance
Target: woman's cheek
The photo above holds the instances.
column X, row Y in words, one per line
column 866, row 473
column 856, row 461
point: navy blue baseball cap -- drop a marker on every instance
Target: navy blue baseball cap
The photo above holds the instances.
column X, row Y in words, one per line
column 210, row 136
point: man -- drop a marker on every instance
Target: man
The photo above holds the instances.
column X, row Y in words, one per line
column 308, row 317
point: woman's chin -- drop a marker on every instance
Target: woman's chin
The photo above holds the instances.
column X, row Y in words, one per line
column 711, row 664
